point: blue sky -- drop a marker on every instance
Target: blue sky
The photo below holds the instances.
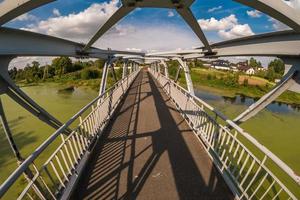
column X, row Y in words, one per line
column 200, row 9
column 140, row 18
column 146, row 29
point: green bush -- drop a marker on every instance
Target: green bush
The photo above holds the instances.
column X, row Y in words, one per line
column 245, row 82
column 209, row 77
column 90, row 74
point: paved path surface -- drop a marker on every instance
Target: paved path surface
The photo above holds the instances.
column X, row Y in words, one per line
column 149, row 152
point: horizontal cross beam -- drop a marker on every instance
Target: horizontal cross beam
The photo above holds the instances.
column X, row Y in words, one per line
column 17, row 42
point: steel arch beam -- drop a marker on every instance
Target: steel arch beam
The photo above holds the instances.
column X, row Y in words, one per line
column 16, row 42
column 10, row 9
column 190, row 19
column 279, row 44
column 182, row 7
column 282, row 43
column 7, row 86
column 276, row 9
column 181, row 52
column 115, row 18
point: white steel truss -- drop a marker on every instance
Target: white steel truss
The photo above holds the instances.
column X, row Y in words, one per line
column 216, row 136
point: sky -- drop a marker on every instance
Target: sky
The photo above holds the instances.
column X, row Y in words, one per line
column 146, row 29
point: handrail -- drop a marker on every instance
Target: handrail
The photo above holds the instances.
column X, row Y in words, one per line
column 261, row 147
column 186, row 100
column 29, row 160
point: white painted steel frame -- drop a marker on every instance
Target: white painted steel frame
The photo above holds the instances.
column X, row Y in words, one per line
column 182, row 7
column 10, row 9
column 283, row 44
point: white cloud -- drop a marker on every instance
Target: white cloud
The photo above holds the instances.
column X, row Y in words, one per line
column 236, row 32
column 171, row 13
column 77, row 26
column 81, row 26
column 148, row 37
column 56, row 12
column 254, row 13
column 228, row 27
column 213, row 24
column 277, row 25
column 26, row 17
column 214, row 9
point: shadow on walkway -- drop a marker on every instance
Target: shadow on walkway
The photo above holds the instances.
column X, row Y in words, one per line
column 149, row 152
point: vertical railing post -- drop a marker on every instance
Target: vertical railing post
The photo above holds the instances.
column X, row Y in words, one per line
column 187, row 74
column 130, row 69
column 104, row 75
column 165, row 68
column 124, row 69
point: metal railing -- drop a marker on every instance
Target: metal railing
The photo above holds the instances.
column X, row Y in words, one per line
column 248, row 175
column 55, row 178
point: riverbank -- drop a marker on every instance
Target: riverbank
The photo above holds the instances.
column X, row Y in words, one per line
column 276, row 127
column 229, row 85
column 28, row 131
column 218, row 82
column 73, row 79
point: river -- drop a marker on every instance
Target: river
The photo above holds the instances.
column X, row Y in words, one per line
column 27, row 130
column 276, row 127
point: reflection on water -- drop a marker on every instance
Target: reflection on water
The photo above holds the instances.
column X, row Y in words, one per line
column 275, row 107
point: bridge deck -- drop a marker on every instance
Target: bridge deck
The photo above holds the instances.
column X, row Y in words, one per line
column 149, row 152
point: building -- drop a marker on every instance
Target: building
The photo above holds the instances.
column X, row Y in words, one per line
column 261, row 69
column 233, row 67
column 221, row 65
column 242, row 64
column 246, row 69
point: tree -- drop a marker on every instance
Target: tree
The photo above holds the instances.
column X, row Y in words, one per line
column 62, row 65
column 78, row 65
column 246, row 82
column 199, row 63
column 90, row 74
column 99, row 63
column 271, row 74
column 13, row 73
column 172, row 68
column 254, row 63
column 278, row 66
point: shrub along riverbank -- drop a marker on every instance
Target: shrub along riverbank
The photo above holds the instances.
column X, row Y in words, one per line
column 69, row 73
column 232, row 84
column 65, row 72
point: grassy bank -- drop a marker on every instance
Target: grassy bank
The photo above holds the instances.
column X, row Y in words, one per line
column 224, row 83
column 29, row 132
column 230, row 85
column 89, row 77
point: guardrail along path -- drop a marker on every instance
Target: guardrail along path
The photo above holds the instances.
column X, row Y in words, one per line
column 148, row 151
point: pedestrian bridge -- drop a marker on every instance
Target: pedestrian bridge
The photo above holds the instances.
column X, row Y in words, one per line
column 147, row 137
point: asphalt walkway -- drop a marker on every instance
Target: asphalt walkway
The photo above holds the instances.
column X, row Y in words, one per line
column 149, row 152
